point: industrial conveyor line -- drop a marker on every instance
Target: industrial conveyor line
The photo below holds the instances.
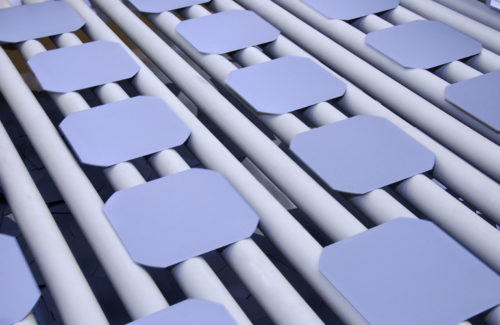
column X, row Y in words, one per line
column 249, row 162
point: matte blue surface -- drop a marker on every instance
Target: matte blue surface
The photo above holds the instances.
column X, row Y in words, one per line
column 361, row 154
column 174, row 218
column 480, row 97
column 18, row 290
column 189, row 312
column 284, row 85
column 409, row 272
column 227, row 31
column 158, row 6
column 82, row 66
column 350, row 9
column 22, row 23
column 113, row 133
column 423, row 44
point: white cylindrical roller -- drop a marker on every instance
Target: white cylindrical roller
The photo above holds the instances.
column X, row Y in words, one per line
column 168, row 162
column 452, row 171
column 4, row 4
column 400, row 15
column 271, row 290
column 192, row 276
column 451, row 72
column 250, row 56
column 327, row 119
column 375, row 205
column 134, row 286
column 73, row 101
column 486, row 61
column 459, row 221
column 198, row 280
column 125, row 175
column 475, row 10
column 456, row 71
column 219, row 67
column 69, row 101
column 421, row 81
column 455, row 135
column 455, row 218
column 287, row 126
column 75, row 302
column 296, row 244
column 367, row 107
column 433, row 10
column 260, row 276
column 323, row 113
column 285, row 173
column 446, row 211
column 120, row 267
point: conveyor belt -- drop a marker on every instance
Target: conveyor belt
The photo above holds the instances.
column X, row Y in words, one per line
column 250, row 162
